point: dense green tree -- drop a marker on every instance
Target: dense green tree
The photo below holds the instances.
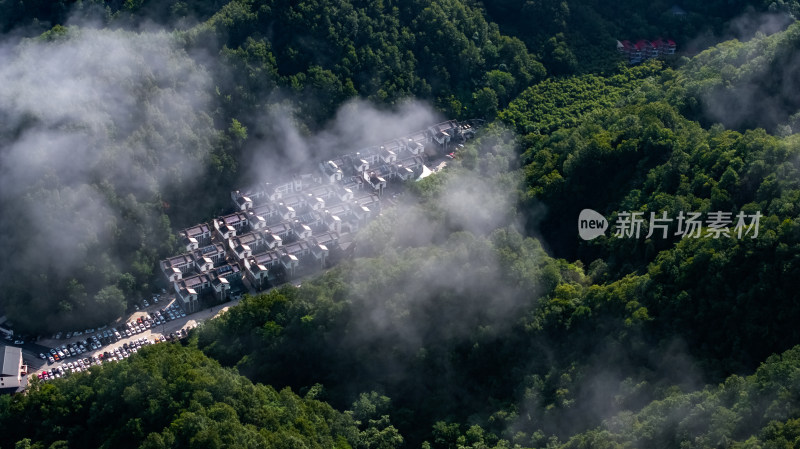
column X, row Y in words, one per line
column 486, row 103
column 464, row 329
column 172, row 396
column 89, row 201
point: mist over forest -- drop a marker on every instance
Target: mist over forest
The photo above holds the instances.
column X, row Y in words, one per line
column 470, row 313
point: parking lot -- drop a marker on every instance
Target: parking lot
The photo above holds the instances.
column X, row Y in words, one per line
column 157, row 322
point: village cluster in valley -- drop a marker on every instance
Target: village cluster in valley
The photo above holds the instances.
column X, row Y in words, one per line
column 284, row 228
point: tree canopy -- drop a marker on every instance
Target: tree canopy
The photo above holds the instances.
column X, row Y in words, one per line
column 471, row 313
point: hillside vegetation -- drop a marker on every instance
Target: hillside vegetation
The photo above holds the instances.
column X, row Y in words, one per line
column 473, row 315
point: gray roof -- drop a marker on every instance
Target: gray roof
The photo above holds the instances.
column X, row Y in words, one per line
column 9, row 363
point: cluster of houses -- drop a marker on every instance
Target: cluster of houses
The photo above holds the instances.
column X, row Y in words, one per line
column 643, row 50
column 280, row 229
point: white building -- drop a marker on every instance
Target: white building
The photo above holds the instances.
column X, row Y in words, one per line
column 12, row 371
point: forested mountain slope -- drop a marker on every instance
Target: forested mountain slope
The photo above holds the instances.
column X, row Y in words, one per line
column 172, row 396
column 91, row 165
column 583, row 341
column 474, row 315
column 645, row 155
column 173, row 114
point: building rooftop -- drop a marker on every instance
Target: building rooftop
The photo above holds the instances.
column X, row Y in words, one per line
column 211, row 250
column 270, row 237
column 324, row 190
column 283, row 208
column 267, row 208
column 194, row 281
column 188, row 291
column 267, row 258
column 297, row 247
column 227, row 270
column 326, row 238
column 280, row 228
column 219, row 281
column 177, row 261
column 9, row 362
column 234, row 218
column 256, row 267
column 338, row 209
column 298, row 226
column 248, row 239
column 200, row 229
column 418, row 137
